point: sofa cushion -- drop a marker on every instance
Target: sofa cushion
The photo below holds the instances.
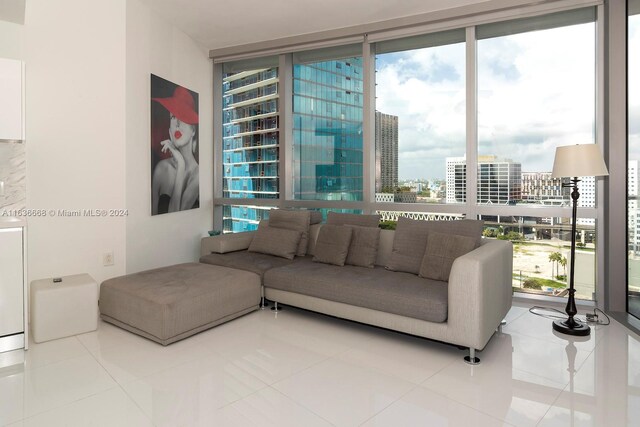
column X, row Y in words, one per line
column 410, row 240
column 363, row 249
column 293, row 220
column 336, row 218
column 315, row 217
column 442, row 250
column 332, row 245
column 276, row 241
column 254, row 262
column 374, row 288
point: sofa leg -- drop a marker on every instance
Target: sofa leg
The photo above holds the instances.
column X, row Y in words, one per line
column 471, row 359
column 263, row 300
column 275, row 307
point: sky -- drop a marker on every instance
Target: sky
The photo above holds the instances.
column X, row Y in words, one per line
column 536, row 91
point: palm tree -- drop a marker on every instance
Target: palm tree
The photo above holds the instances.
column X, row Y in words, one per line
column 555, row 258
column 563, row 263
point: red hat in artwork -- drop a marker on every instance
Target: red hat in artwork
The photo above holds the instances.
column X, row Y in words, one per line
column 181, row 105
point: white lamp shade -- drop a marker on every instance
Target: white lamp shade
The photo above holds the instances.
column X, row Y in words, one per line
column 578, row 160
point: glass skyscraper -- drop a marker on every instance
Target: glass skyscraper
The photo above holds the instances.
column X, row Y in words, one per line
column 327, row 130
column 327, row 136
column 250, row 144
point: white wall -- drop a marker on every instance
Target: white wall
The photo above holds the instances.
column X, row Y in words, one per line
column 11, row 40
column 155, row 46
column 74, row 52
column 87, row 113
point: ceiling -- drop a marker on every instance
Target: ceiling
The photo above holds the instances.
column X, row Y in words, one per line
column 223, row 23
column 217, row 23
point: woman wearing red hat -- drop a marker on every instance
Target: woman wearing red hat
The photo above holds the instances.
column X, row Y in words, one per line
column 175, row 181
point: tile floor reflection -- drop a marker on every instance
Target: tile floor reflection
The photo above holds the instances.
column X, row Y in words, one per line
column 304, row 369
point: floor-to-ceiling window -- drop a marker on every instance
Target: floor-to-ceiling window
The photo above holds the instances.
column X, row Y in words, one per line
column 420, row 133
column 633, row 174
column 537, row 91
column 432, row 124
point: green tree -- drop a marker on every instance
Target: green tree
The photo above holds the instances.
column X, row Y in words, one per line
column 388, row 225
column 563, row 263
column 532, row 284
column 514, row 236
column 555, row 258
column 490, row 232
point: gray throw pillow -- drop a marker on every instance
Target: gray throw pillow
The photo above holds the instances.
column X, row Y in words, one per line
column 363, row 249
column 275, row 241
column 315, row 216
column 442, row 250
column 335, row 218
column 410, row 240
column 293, row 220
column 332, row 245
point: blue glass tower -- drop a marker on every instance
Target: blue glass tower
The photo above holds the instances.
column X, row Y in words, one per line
column 327, row 130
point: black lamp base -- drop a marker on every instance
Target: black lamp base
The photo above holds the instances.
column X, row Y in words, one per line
column 578, row 328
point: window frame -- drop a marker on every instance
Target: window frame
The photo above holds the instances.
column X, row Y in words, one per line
column 470, row 209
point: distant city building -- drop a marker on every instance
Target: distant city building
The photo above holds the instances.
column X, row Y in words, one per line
column 587, row 190
column 541, row 188
column 386, row 151
column 417, row 186
column 633, row 218
column 456, row 179
column 499, row 180
column 405, row 197
column 250, row 144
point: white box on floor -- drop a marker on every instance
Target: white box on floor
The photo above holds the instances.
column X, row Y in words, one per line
column 62, row 309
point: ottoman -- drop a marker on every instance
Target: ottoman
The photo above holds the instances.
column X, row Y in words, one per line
column 171, row 303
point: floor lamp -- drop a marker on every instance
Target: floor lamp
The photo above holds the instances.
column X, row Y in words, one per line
column 573, row 161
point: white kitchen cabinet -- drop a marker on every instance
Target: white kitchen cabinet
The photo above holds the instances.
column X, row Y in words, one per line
column 12, row 286
column 11, row 107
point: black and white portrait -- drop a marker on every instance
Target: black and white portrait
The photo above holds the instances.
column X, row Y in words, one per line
column 175, row 181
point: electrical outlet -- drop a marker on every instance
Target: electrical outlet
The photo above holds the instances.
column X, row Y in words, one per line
column 107, row 258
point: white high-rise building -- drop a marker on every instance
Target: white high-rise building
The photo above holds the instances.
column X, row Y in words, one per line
column 541, row 188
column 456, row 179
column 633, row 222
column 499, row 180
column 587, row 190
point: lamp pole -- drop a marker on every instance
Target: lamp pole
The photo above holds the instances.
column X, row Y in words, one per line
column 574, row 161
column 571, row 326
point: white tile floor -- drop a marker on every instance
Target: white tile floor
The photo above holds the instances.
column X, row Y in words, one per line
column 305, row 369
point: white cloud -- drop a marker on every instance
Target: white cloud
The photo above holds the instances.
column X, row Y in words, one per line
column 536, row 91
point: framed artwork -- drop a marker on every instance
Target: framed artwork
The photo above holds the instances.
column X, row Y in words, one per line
column 175, row 171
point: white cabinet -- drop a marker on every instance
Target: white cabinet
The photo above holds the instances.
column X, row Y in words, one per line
column 11, row 108
column 12, row 290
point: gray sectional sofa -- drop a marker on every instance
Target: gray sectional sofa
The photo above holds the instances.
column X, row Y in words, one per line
column 465, row 310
